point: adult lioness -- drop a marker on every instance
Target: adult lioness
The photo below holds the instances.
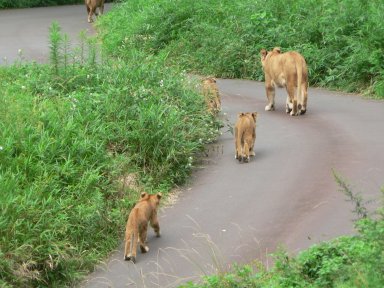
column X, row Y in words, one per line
column 92, row 5
column 211, row 94
column 245, row 135
column 144, row 212
column 287, row 70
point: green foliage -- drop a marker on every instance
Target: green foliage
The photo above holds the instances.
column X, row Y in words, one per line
column 341, row 40
column 71, row 129
column 35, row 3
column 241, row 277
column 40, row 3
column 69, row 132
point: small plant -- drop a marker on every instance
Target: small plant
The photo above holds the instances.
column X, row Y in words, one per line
column 55, row 39
column 360, row 210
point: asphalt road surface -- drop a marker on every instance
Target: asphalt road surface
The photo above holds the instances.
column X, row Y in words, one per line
column 27, row 30
column 231, row 212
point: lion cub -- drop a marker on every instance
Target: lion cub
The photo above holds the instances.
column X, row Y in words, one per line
column 92, row 5
column 144, row 212
column 245, row 135
column 211, row 94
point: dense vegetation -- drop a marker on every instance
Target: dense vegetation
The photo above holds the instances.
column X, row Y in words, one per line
column 35, row 3
column 39, row 3
column 343, row 41
column 72, row 131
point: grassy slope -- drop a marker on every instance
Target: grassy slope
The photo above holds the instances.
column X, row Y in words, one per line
column 69, row 133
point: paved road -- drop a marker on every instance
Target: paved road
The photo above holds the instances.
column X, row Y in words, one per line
column 28, row 30
column 231, row 212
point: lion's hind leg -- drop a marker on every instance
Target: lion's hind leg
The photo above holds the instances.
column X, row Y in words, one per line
column 155, row 224
column 127, row 249
column 271, row 96
column 130, row 247
column 92, row 11
column 303, row 106
column 288, row 105
column 246, row 157
column 143, row 239
column 295, row 111
column 292, row 101
column 238, row 154
column 247, row 146
column 252, row 146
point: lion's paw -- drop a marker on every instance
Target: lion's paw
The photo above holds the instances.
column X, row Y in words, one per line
column 144, row 249
column 269, row 108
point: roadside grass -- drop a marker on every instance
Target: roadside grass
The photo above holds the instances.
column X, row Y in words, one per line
column 69, row 132
column 347, row 261
column 342, row 41
column 35, row 3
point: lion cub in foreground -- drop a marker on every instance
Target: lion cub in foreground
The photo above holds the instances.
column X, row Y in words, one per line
column 144, row 212
column 245, row 135
column 92, row 5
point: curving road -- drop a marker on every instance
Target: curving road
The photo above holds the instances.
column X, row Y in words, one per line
column 231, row 212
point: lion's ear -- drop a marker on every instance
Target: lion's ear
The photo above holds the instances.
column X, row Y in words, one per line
column 143, row 194
column 277, row 49
column 263, row 53
column 159, row 195
column 241, row 114
column 254, row 115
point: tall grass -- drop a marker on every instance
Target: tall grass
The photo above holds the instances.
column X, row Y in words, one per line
column 341, row 40
column 68, row 132
column 35, row 3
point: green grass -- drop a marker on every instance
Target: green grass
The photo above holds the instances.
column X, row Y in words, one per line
column 35, row 3
column 70, row 130
column 341, row 40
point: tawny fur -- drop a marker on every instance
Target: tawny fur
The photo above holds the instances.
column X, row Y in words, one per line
column 211, row 94
column 144, row 213
column 245, row 135
column 287, row 70
column 92, row 5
